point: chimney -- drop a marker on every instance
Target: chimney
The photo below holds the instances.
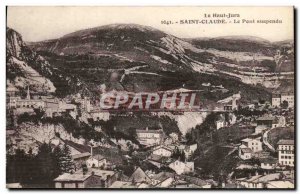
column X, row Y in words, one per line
column 91, row 150
column 147, row 129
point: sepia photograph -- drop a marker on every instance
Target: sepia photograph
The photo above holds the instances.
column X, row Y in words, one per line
column 150, row 98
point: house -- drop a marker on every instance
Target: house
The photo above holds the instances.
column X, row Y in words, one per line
column 245, row 153
column 97, row 115
column 11, row 91
column 182, row 167
column 230, row 103
column 289, row 98
column 196, row 181
column 163, row 179
column 85, row 104
column 268, row 163
column 279, row 122
column 122, row 184
column 278, row 99
column 128, row 184
column 286, row 152
column 266, row 121
column 92, row 178
column 220, row 123
column 269, row 122
column 165, row 183
column 80, row 159
column 280, row 184
column 162, row 151
column 96, row 161
column 254, row 144
column 159, row 161
column 258, row 181
column 150, row 137
column 260, row 129
column 189, row 150
column 139, row 176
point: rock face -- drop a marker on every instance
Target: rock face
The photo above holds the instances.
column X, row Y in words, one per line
column 25, row 67
column 30, row 136
column 14, row 43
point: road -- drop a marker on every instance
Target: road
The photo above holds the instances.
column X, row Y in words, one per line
column 265, row 140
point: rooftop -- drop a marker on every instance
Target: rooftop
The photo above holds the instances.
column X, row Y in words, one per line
column 122, row 184
column 265, row 118
column 286, row 142
column 81, row 155
column 79, row 176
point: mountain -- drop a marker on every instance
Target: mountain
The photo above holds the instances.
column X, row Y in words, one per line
column 147, row 59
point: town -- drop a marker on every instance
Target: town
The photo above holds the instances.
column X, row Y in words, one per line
column 258, row 136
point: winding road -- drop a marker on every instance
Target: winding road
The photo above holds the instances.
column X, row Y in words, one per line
column 265, row 140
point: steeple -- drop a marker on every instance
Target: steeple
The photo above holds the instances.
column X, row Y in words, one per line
column 28, row 93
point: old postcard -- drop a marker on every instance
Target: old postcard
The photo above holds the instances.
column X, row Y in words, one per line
column 150, row 97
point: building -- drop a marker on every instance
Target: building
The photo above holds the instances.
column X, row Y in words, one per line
column 278, row 99
column 162, row 151
column 122, row 184
column 269, row 122
column 220, row 123
column 150, row 136
column 268, row 163
column 158, row 161
column 86, row 104
column 286, row 152
column 97, row 115
column 182, row 167
column 265, row 121
column 11, row 91
column 96, row 161
column 230, row 103
column 139, row 176
column 189, row 150
column 254, row 144
column 280, row 184
column 258, row 181
column 92, row 178
column 80, row 159
column 288, row 97
column 162, row 179
column 17, row 102
column 245, row 153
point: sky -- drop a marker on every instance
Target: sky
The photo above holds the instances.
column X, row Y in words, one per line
column 42, row 23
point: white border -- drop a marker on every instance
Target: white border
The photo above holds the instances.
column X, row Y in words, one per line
column 3, row 4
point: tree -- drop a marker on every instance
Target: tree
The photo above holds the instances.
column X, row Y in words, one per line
column 66, row 162
column 45, row 166
column 284, row 104
column 57, row 154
